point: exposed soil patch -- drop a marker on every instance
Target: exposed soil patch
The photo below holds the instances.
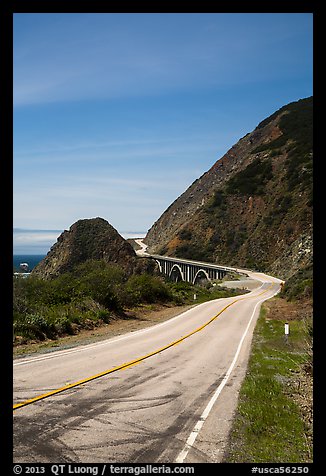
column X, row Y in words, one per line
column 281, row 309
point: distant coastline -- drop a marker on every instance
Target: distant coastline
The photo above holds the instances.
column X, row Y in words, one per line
column 31, row 260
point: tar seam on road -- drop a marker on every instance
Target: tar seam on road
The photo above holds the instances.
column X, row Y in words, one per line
column 128, row 364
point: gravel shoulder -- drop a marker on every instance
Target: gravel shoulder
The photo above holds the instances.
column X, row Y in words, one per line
column 241, row 284
column 134, row 320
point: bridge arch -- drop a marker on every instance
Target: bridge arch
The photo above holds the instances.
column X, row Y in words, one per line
column 200, row 275
column 159, row 265
column 176, row 273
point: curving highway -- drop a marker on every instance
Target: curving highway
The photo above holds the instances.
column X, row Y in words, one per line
column 163, row 394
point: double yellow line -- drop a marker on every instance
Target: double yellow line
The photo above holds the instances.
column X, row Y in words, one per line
column 131, row 363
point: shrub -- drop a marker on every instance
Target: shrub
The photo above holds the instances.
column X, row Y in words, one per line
column 162, row 251
column 146, row 288
column 33, row 326
column 104, row 315
column 61, row 290
column 252, row 179
column 217, row 204
column 63, row 325
column 218, row 199
column 185, row 234
column 300, row 285
column 280, row 209
column 296, row 125
column 199, row 252
column 102, row 282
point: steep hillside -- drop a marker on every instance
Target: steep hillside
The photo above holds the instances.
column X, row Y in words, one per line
column 86, row 239
column 253, row 208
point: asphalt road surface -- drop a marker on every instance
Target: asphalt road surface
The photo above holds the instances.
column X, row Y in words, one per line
column 163, row 394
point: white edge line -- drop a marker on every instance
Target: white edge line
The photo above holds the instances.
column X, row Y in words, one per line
column 112, row 340
column 59, row 353
column 193, row 435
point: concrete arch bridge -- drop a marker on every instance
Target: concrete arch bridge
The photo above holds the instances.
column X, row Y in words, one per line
column 191, row 271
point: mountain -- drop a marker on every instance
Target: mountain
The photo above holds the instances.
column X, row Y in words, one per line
column 86, row 239
column 253, row 207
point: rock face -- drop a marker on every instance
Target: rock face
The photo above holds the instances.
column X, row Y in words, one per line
column 86, row 239
column 253, row 208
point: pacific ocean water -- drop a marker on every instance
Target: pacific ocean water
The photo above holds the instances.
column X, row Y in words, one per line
column 31, row 260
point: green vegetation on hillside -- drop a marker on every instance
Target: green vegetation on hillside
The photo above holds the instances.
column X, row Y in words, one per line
column 282, row 206
column 296, row 125
column 257, row 213
column 217, row 201
column 192, row 251
column 251, row 180
column 93, row 293
column 300, row 285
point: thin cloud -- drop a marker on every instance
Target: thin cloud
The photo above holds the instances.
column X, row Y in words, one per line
column 31, row 231
column 29, row 241
column 117, row 114
column 124, row 56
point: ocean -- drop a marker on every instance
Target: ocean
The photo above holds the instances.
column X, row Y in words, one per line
column 31, row 260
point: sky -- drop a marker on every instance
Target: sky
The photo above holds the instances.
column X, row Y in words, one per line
column 115, row 115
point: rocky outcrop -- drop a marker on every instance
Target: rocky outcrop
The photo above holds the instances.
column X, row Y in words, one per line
column 295, row 257
column 86, row 239
column 253, row 208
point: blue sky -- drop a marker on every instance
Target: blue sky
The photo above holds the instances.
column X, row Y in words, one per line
column 115, row 115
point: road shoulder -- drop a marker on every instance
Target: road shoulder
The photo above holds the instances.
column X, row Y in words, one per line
column 144, row 316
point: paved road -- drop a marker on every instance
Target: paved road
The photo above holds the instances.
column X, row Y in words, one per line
column 172, row 401
column 142, row 251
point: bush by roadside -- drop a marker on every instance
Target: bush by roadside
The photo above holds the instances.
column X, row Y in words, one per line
column 299, row 286
column 91, row 294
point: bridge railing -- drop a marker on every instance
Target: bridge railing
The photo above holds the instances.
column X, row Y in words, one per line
column 190, row 270
column 196, row 263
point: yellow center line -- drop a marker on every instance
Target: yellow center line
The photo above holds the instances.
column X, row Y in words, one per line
column 132, row 362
